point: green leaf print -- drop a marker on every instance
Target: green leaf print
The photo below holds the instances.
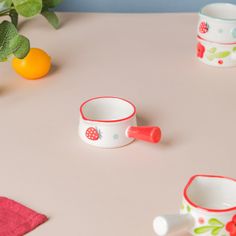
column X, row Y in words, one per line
column 188, row 208
column 216, row 230
column 222, row 54
column 203, row 229
column 214, row 221
column 211, row 57
column 214, row 225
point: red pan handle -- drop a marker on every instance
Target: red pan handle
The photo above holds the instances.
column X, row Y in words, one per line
column 146, row 133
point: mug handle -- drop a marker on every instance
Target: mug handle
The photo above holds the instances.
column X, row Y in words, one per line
column 146, row 133
column 167, row 224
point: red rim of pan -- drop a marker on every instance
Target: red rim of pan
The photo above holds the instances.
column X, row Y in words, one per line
column 200, row 38
column 107, row 121
column 202, row 208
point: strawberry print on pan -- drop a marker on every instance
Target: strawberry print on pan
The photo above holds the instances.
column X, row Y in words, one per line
column 93, row 133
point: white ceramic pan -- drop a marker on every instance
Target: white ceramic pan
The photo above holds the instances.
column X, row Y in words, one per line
column 110, row 122
column 208, row 208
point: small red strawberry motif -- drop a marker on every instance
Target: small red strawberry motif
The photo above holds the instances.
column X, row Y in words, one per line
column 92, row 134
column 203, row 27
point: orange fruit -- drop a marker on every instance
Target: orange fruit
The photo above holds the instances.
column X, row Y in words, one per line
column 34, row 66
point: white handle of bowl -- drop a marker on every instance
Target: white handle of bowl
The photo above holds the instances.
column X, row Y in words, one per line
column 167, row 224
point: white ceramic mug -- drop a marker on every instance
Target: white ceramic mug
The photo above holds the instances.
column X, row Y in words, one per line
column 208, row 208
column 217, row 23
column 216, row 54
column 110, row 122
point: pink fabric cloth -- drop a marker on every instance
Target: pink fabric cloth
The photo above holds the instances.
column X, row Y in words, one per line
column 16, row 219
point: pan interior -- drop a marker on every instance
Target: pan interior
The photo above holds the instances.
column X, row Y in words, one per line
column 214, row 193
column 107, row 109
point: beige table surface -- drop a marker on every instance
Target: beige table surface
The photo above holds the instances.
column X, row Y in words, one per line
column 147, row 58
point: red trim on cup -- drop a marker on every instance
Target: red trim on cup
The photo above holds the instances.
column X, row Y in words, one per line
column 199, row 37
column 202, row 208
column 107, row 121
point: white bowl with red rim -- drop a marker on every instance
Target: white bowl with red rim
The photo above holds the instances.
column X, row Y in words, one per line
column 216, row 54
column 110, row 122
column 208, row 208
column 217, row 23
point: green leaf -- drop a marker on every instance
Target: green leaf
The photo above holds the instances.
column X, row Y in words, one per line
column 20, row 46
column 234, row 49
column 212, row 50
column 216, row 230
column 14, row 17
column 5, row 4
column 51, row 3
column 214, row 221
column 28, row 8
column 203, row 229
column 7, row 33
column 51, row 18
column 222, row 54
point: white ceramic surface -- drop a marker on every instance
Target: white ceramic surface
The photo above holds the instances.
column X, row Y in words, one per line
column 208, row 208
column 215, row 54
column 109, row 117
column 217, row 23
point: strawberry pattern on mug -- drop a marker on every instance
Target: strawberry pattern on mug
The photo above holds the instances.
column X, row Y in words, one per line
column 203, row 27
column 93, row 133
